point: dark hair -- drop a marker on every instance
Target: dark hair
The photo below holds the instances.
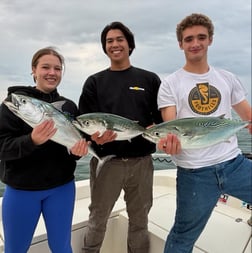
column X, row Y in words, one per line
column 192, row 20
column 46, row 51
column 126, row 32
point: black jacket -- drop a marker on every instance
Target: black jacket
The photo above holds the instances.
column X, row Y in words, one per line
column 24, row 165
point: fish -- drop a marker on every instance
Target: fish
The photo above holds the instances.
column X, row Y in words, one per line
column 125, row 128
column 34, row 111
column 196, row 132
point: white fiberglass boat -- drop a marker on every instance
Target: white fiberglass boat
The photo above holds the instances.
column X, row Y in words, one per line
column 227, row 230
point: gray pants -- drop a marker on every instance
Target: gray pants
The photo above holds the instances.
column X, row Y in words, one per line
column 135, row 177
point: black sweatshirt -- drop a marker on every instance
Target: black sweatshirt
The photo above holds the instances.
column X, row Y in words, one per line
column 25, row 165
column 131, row 93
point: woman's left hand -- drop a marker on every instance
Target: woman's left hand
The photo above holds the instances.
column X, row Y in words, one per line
column 80, row 148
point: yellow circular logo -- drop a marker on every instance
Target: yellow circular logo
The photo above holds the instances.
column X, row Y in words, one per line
column 204, row 99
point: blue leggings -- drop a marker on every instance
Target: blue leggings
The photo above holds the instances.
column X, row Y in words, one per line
column 21, row 211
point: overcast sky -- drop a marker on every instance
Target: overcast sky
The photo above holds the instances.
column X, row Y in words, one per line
column 74, row 27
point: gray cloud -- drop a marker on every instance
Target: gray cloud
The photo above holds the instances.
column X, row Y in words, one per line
column 74, row 28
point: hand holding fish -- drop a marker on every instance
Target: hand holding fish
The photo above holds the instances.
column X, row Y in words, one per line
column 170, row 144
column 107, row 136
column 195, row 132
column 124, row 128
column 43, row 132
column 250, row 128
column 80, row 148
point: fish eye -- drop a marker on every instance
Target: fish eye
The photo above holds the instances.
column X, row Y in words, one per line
column 23, row 100
column 86, row 123
column 156, row 134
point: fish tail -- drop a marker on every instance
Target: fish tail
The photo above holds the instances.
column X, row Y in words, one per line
column 101, row 162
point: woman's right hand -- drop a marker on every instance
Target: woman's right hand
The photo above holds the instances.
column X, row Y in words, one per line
column 80, row 148
column 43, row 132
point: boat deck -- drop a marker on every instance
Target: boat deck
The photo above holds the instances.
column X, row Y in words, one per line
column 226, row 231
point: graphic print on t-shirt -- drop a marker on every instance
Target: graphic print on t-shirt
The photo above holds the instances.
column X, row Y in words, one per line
column 204, row 99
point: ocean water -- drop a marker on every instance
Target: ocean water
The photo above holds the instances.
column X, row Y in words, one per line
column 82, row 170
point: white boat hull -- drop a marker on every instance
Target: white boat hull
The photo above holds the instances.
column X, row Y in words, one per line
column 226, row 231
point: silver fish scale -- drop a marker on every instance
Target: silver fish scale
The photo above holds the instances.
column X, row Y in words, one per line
column 28, row 108
column 196, row 132
column 93, row 122
column 34, row 111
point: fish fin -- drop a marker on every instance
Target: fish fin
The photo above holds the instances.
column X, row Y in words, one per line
column 106, row 124
column 184, row 133
column 116, row 129
column 50, row 114
column 101, row 162
column 189, row 133
column 222, row 116
column 58, row 105
column 227, row 141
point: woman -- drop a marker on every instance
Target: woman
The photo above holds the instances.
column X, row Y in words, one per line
column 38, row 173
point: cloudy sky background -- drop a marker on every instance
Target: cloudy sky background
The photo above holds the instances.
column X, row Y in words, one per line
column 74, row 27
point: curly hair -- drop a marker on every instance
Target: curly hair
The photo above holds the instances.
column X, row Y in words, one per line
column 192, row 20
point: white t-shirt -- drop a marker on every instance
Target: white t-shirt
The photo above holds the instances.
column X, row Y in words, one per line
column 196, row 95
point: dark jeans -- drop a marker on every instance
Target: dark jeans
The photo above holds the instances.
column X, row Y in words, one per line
column 198, row 191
